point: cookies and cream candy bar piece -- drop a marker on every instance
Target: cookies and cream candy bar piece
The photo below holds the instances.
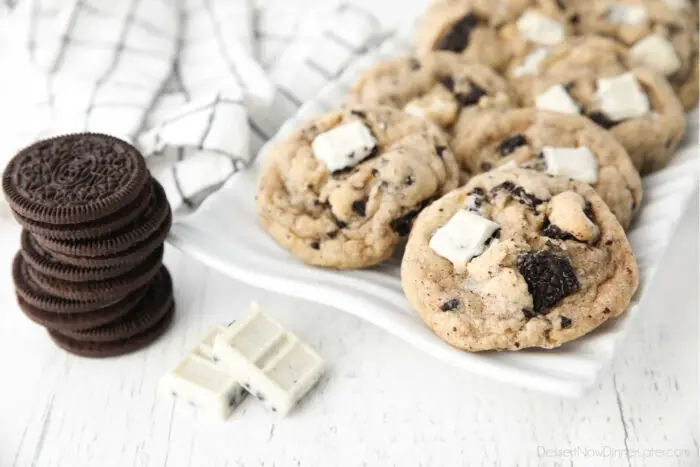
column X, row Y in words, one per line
column 655, row 52
column 203, row 384
column 557, row 99
column 206, row 346
column 621, row 97
column 577, row 163
column 465, row 236
column 540, row 29
column 626, row 14
column 272, row 364
column 530, row 65
column 344, row 145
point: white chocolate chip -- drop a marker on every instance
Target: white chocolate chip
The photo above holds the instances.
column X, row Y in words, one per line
column 621, row 97
column 530, row 65
column 556, row 99
column 577, row 163
column 625, row 14
column 566, row 212
column 438, row 106
column 463, row 237
column 539, row 28
column 657, row 53
column 344, row 145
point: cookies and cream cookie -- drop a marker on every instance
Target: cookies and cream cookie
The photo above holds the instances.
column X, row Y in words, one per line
column 591, row 76
column 343, row 189
column 659, row 34
column 568, row 145
column 517, row 259
column 492, row 32
column 439, row 86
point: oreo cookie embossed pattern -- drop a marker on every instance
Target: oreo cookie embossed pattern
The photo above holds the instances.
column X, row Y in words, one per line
column 90, row 264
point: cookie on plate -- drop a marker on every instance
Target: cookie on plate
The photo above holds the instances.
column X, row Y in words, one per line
column 343, row 189
column 518, row 259
column 491, row 32
column 567, row 145
column 659, row 37
column 590, row 76
column 439, row 86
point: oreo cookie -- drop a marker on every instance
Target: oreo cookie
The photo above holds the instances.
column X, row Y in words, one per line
column 29, row 291
column 44, row 262
column 152, row 221
column 140, row 326
column 94, row 229
column 114, row 348
column 84, row 320
column 109, row 289
column 134, row 254
column 74, row 179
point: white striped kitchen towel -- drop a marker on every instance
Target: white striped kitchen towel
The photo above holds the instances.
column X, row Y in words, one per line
column 197, row 85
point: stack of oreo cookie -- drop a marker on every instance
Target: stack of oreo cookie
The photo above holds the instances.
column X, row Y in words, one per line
column 90, row 266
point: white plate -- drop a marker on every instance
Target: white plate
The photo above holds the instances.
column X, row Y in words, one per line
column 225, row 234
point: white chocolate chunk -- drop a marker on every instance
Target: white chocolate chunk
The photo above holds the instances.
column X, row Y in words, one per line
column 556, row 99
column 206, row 346
column 203, row 384
column 272, row 364
column 344, row 145
column 566, row 212
column 655, row 52
column 199, row 381
column 577, row 163
column 539, row 28
column 622, row 97
column 464, row 236
column 530, row 65
column 626, row 14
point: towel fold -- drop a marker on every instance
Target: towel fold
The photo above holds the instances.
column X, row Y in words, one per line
column 198, row 85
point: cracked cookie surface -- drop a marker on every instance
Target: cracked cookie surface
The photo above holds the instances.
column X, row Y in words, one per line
column 355, row 217
column 440, row 86
column 578, row 65
column 560, row 267
column 516, row 138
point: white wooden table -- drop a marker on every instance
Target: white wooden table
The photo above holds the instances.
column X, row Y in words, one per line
column 382, row 403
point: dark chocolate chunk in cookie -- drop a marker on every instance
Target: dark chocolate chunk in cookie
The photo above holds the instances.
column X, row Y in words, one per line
column 448, row 82
column 470, row 97
column 359, row 207
column 511, row 143
column 519, row 193
column 450, row 305
column 457, row 38
column 555, row 233
column 549, row 277
column 565, row 322
column 602, row 120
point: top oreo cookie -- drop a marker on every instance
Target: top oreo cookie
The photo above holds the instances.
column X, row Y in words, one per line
column 74, row 178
